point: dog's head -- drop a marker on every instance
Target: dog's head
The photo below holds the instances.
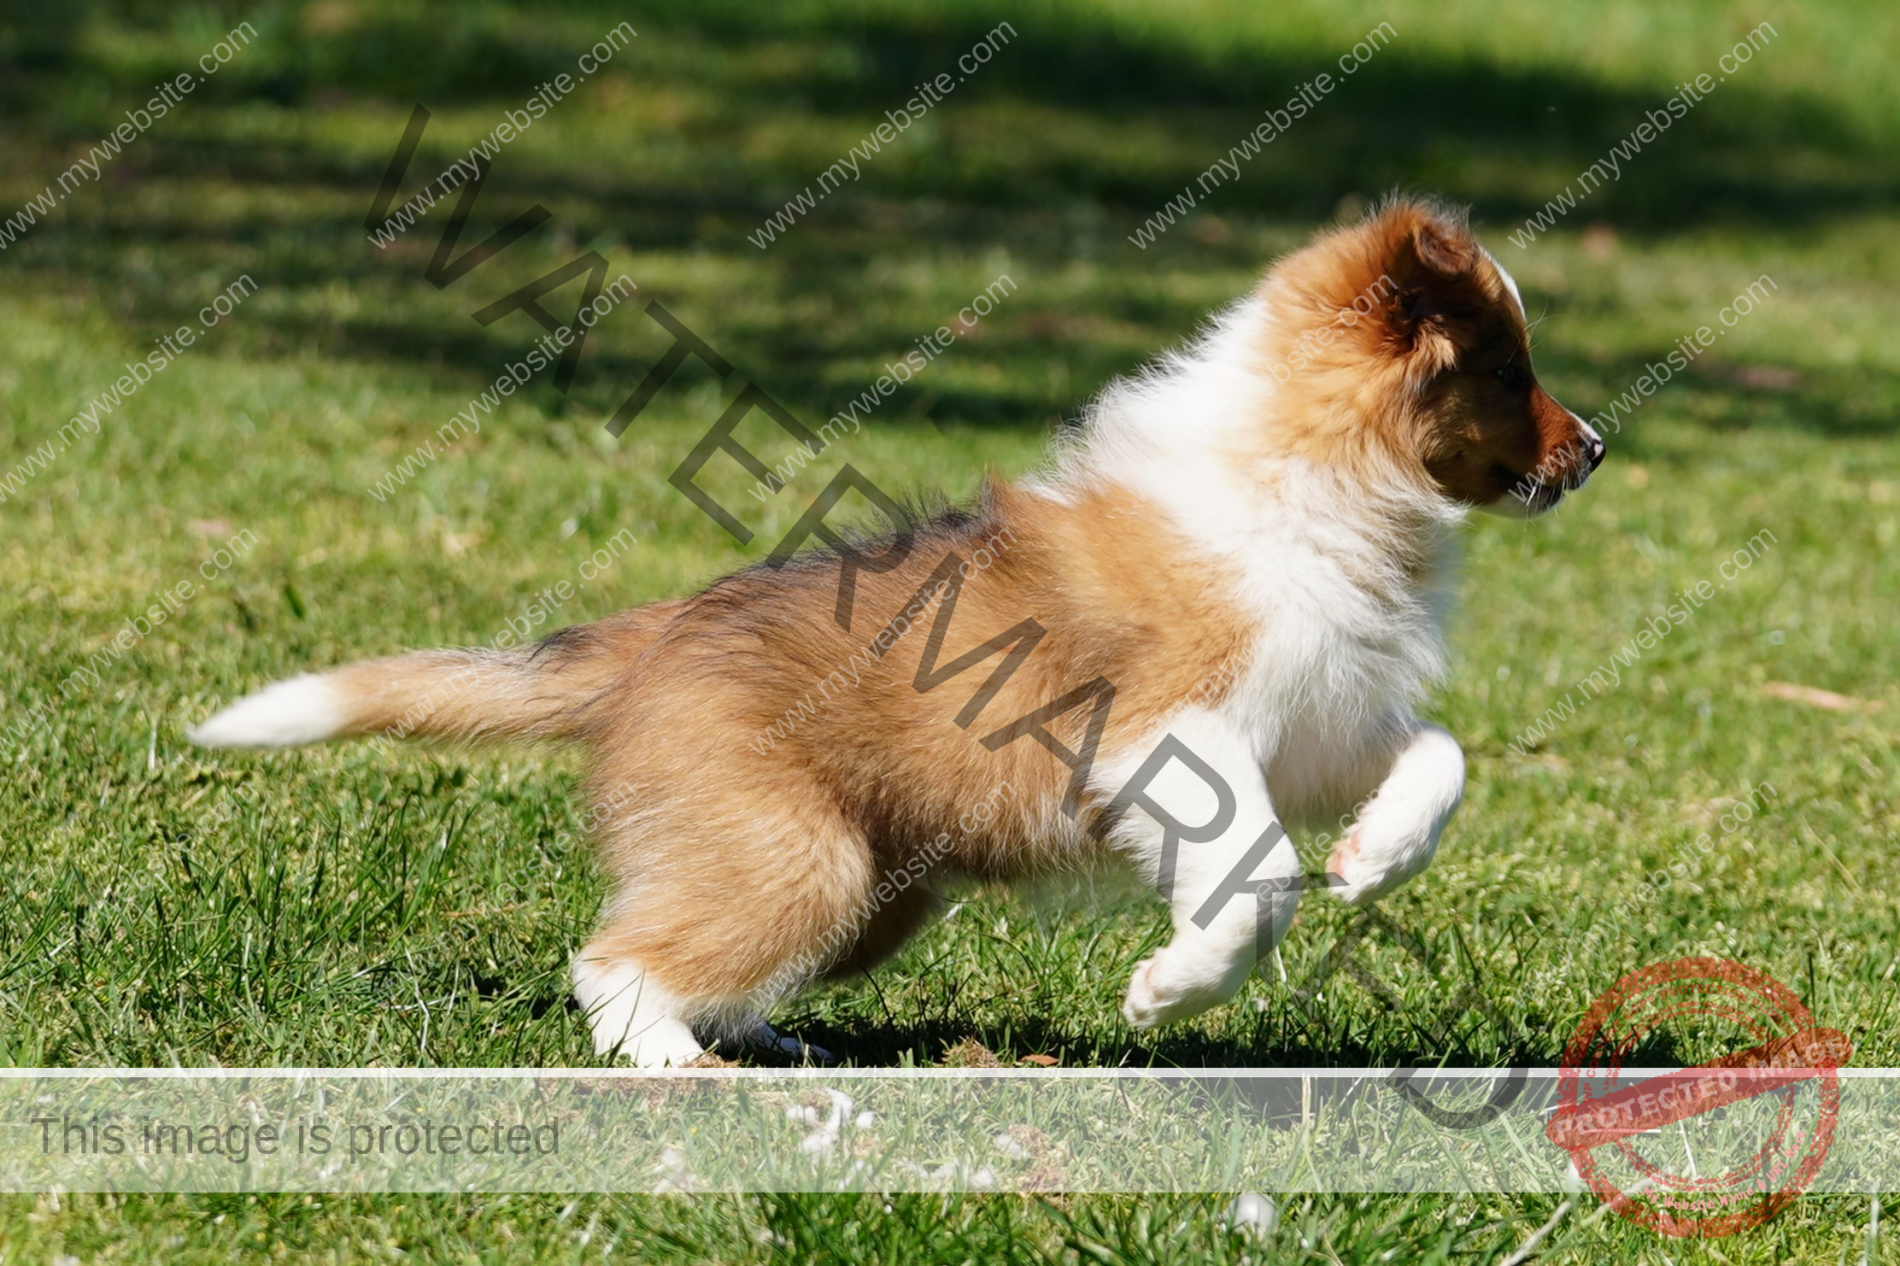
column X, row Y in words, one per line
column 1400, row 339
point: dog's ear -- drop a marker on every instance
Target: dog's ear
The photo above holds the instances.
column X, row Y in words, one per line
column 1438, row 247
column 1432, row 260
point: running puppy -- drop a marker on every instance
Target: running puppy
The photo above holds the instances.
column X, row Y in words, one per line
column 1213, row 613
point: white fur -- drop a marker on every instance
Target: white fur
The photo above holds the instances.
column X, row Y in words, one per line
column 1321, row 717
column 1510, row 282
column 303, row 709
column 632, row 1016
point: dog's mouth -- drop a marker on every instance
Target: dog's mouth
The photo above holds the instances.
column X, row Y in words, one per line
column 1527, row 496
column 1542, row 496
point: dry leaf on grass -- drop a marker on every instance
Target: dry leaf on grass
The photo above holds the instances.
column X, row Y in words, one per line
column 1815, row 697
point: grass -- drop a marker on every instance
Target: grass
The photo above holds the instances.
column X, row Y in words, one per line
column 347, row 907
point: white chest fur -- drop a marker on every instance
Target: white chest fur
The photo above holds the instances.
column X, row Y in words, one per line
column 1341, row 582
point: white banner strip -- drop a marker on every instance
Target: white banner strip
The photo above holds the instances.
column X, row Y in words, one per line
column 1030, row 1130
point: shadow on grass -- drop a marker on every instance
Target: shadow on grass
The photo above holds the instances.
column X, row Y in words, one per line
column 1273, row 1044
column 1473, row 130
column 1402, row 117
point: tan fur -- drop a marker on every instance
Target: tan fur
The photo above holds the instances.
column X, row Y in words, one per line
column 734, row 862
column 540, row 691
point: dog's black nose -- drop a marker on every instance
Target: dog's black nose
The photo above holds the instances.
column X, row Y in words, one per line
column 1597, row 449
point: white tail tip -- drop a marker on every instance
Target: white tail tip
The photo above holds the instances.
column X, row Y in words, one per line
column 304, row 709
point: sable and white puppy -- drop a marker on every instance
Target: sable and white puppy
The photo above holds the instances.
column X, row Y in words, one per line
column 1214, row 613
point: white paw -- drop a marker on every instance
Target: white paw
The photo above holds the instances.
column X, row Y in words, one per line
column 662, row 1044
column 1178, row 983
column 632, row 1017
column 1366, row 866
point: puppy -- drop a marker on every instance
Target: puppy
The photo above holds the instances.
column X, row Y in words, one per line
column 1213, row 614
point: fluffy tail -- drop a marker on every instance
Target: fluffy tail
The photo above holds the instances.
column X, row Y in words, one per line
column 551, row 689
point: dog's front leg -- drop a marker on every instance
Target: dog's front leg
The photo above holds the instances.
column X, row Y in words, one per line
column 1199, row 825
column 1397, row 830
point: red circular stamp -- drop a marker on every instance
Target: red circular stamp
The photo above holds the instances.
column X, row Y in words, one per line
column 1723, row 1142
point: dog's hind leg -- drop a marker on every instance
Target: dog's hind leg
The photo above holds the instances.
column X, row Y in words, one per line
column 723, row 908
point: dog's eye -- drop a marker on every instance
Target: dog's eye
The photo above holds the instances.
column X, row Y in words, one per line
column 1510, row 374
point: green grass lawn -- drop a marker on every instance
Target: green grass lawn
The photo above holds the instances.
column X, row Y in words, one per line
column 163, row 905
